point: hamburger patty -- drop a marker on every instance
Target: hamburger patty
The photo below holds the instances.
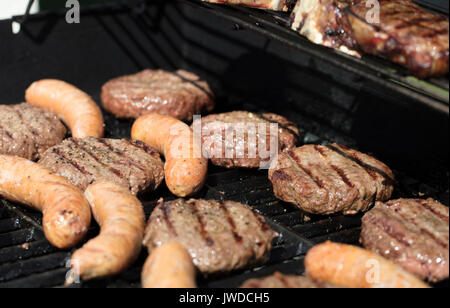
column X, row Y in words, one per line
column 280, row 281
column 177, row 94
column 28, row 131
column 222, row 145
column 330, row 179
column 413, row 233
column 84, row 161
column 220, row 236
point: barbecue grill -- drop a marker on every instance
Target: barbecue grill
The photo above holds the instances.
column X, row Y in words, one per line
column 254, row 63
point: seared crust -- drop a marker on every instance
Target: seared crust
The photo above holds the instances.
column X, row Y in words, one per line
column 128, row 163
column 177, row 94
column 27, row 131
column 330, row 179
column 413, row 233
column 215, row 143
column 220, row 236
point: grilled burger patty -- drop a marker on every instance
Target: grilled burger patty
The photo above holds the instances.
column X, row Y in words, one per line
column 128, row 163
column 280, row 281
column 177, row 94
column 330, row 179
column 215, row 143
column 413, row 233
column 28, row 131
column 220, row 236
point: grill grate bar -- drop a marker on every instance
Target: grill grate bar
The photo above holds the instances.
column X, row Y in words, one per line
column 25, row 251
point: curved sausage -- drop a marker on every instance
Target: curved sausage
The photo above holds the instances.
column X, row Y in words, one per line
column 185, row 169
column 122, row 220
column 72, row 105
column 66, row 212
column 169, row 266
column 354, row 267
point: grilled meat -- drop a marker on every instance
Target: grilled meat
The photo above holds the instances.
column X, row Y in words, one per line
column 220, row 236
column 275, row 5
column 280, row 281
column 330, row 179
column 177, row 94
column 243, row 149
column 28, row 131
column 413, row 233
column 405, row 33
column 124, row 162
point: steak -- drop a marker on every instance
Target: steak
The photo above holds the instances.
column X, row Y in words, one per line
column 413, row 233
column 84, row 161
column 330, row 179
column 220, row 236
column 275, row 5
column 405, row 33
column 280, row 281
column 177, row 94
column 226, row 147
column 28, row 131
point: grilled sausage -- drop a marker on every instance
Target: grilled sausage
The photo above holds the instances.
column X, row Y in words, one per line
column 185, row 169
column 66, row 211
column 122, row 221
column 354, row 267
column 72, row 105
column 169, row 266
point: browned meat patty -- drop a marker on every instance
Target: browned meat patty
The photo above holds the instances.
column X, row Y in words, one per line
column 220, row 236
column 177, row 94
column 275, row 5
column 243, row 149
column 406, row 34
column 413, row 233
column 330, row 179
column 280, row 281
column 28, row 131
column 84, row 161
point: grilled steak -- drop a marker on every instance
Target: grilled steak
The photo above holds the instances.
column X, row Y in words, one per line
column 413, row 233
column 220, row 236
column 405, row 33
column 179, row 94
column 280, row 281
column 27, row 131
column 128, row 163
column 330, row 179
column 275, row 5
column 226, row 147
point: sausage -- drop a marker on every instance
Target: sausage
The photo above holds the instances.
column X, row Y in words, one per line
column 185, row 168
column 73, row 106
column 354, row 267
column 169, row 266
column 66, row 212
column 122, row 220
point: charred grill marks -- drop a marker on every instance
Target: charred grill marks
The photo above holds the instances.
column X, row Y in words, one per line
column 426, row 206
column 80, row 168
column 230, row 220
column 199, row 217
column 297, row 160
column 338, row 170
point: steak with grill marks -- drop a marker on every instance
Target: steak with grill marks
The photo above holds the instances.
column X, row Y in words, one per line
column 330, row 179
column 84, row 161
column 28, row 131
column 413, row 233
column 280, row 281
column 220, row 236
column 177, row 94
column 217, row 128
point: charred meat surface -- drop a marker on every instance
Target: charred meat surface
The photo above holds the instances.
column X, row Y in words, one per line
column 413, row 233
column 330, row 179
column 280, row 281
column 28, row 131
column 220, row 236
column 177, row 94
column 243, row 139
column 128, row 163
column 275, row 5
column 402, row 32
